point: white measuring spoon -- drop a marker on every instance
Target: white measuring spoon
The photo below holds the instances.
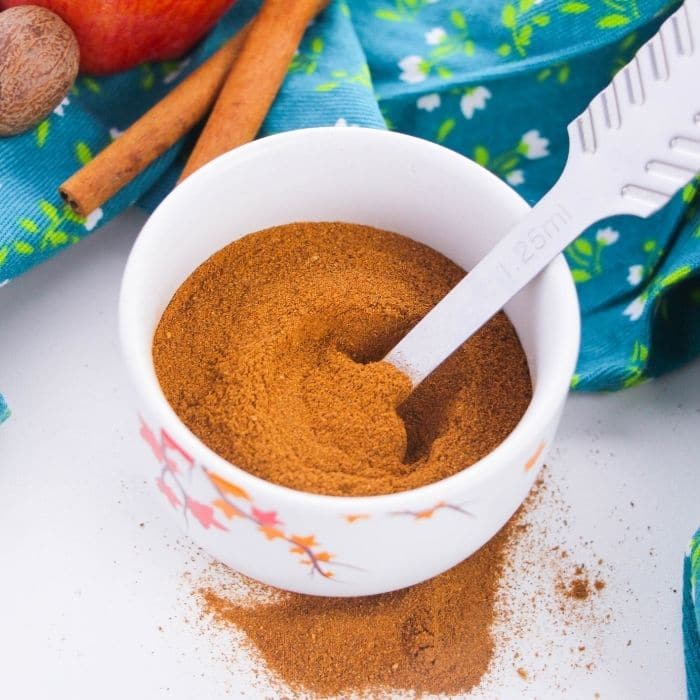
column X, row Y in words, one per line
column 632, row 149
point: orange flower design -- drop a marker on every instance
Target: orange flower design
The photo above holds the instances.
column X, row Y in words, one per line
column 427, row 513
column 535, row 457
column 353, row 518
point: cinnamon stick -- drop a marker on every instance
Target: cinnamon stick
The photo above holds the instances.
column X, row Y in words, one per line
column 255, row 78
column 152, row 134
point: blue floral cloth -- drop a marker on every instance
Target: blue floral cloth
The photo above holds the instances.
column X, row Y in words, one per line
column 496, row 80
column 691, row 616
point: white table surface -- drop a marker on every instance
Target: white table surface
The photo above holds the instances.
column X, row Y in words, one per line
column 94, row 605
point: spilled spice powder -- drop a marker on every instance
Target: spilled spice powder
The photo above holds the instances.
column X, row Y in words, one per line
column 269, row 352
column 507, row 614
column 580, row 586
column 434, row 637
column 579, row 589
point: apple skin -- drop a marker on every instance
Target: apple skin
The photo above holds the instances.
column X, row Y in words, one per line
column 118, row 34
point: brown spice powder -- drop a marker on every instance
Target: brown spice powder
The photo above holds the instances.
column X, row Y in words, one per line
column 494, row 632
column 580, row 586
column 269, row 353
column 434, row 637
column 579, row 589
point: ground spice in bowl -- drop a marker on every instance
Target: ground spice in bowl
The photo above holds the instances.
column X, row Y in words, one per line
column 270, row 353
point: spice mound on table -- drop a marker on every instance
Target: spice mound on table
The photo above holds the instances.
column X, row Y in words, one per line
column 270, row 352
column 435, row 637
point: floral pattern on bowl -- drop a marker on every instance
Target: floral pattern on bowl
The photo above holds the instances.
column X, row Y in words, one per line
column 230, row 502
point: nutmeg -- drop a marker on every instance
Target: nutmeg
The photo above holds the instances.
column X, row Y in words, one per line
column 39, row 59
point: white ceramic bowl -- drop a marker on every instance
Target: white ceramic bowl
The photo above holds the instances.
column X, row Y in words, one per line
column 327, row 545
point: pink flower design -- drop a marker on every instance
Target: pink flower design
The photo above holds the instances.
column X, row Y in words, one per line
column 203, row 513
column 166, row 450
column 170, row 444
column 265, row 518
column 168, row 493
column 147, row 434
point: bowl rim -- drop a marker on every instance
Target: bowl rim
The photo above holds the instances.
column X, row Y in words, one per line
column 541, row 411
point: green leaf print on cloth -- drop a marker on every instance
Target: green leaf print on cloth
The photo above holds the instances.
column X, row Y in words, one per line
column 495, row 80
column 306, row 58
column 522, row 20
column 610, row 14
column 402, row 10
column 586, row 256
column 442, row 43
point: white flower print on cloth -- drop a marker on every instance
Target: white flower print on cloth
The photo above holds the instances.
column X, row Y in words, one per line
column 413, row 69
column 635, row 310
column 635, row 274
column 607, row 236
column 344, row 122
column 429, row 102
column 435, row 36
column 585, row 255
column 115, row 133
column 508, row 163
column 473, row 99
column 59, row 109
column 533, row 146
column 92, row 219
column 515, row 177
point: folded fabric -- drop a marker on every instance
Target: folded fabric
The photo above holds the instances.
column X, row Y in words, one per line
column 691, row 617
column 495, row 80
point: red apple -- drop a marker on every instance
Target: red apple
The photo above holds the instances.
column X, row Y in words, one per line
column 117, row 34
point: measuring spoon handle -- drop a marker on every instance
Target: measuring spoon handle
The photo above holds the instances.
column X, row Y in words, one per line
column 632, row 149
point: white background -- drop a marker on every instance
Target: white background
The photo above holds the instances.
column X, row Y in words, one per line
column 95, row 605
